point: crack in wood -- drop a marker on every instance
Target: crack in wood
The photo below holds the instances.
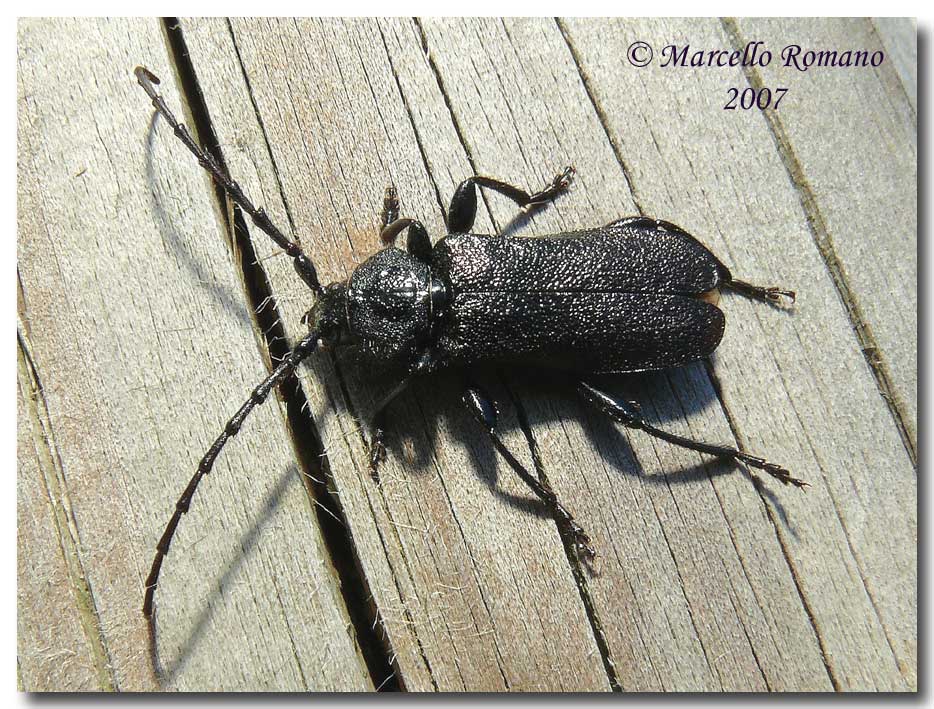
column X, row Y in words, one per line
column 56, row 490
column 820, row 233
column 342, row 558
column 812, row 619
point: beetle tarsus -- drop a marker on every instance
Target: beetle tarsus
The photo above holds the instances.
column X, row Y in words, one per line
column 776, row 471
column 559, row 183
column 583, row 546
column 770, row 294
column 377, row 454
column 390, row 207
column 776, row 295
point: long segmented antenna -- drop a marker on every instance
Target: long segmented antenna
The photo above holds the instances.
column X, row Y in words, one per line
column 303, row 264
column 287, row 366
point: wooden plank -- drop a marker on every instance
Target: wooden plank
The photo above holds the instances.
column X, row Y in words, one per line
column 796, row 384
column 53, row 651
column 855, row 167
column 699, row 584
column 474, row 592
column 899, row 36
column 136, row 324
column 692, row 592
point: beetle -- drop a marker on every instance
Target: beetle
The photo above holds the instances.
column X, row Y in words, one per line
column 635, row 295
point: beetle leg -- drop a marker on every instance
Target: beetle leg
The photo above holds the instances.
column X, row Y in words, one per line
column 770, row 294
column 463, row 209
column 625, row 413
column 484, row 411
column 375, row 429
column 390, row 207
column 417, row 242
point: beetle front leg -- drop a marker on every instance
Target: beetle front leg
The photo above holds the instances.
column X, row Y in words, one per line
column 376, row 432
column 417, row 242
column 391, row 225
column 390, row 207
column 463, row 209
column 484, row 411
column 627, row 414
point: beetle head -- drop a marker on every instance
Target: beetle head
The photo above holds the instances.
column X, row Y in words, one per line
column 327, row 317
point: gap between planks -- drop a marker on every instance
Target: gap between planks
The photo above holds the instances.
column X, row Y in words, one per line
column 310, row 456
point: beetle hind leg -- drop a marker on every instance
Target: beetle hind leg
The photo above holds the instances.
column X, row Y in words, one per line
column 629, row 415
column 484, row 411
column 770, row 294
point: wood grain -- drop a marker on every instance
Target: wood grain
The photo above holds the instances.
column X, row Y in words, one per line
column 138, row 337
column 899, row 36
column 797, row 380
column 854, row 190
column 136, row 326
column 53, row 647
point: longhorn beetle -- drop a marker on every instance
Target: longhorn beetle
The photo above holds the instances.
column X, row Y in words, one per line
column 631, row 296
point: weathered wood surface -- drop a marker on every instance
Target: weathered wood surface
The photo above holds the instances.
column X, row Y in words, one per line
column 137, row 342
column 136, row 327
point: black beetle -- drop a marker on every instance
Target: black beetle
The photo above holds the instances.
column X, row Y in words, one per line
column 631, row 296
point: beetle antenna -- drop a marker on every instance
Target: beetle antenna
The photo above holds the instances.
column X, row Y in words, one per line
column 303, row 264
column 257, row 397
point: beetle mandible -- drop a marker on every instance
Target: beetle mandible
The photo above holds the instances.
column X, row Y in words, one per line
column 631, row 296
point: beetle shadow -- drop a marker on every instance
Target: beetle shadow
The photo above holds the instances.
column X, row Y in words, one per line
column 433, row 404
column 167, row 672
column 485, row 462
column 166, row 221
column 519, row 221
column 431, row 410
column 545, row 399
column 522, row 219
